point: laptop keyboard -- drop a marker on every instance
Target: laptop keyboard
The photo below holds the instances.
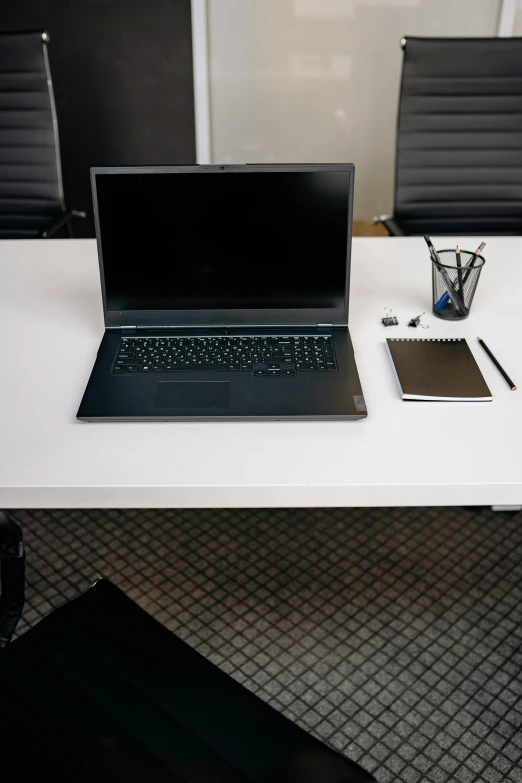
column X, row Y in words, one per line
column 261, row 356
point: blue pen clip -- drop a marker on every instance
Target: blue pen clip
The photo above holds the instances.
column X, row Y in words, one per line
column 441, row 304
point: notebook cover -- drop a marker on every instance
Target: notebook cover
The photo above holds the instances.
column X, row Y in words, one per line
column 436, row 369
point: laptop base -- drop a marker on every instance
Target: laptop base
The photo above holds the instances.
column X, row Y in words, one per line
column 205, row 395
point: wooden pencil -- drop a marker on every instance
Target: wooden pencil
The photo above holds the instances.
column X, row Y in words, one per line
column 497, row 365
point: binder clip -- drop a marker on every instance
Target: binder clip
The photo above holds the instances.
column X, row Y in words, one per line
column 416, row 322
column 389, row 319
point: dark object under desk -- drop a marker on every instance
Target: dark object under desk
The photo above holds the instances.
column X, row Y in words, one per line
column 100, row 691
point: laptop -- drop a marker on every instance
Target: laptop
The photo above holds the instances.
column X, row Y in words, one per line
column 225, row 294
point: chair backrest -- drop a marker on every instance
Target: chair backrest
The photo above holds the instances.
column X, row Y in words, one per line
column 459, row 140
column 31, row 194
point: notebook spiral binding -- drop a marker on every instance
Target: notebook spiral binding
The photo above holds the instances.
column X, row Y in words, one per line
column 426, row 339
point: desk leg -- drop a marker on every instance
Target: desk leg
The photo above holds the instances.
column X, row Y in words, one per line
column 506, row 508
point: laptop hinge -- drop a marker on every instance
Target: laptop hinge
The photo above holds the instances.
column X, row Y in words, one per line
column 228, row 326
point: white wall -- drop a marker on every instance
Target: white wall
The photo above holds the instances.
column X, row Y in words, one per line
column 518, row 20
column 318, row 80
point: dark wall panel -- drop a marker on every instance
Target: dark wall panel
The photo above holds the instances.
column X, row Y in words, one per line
column 122, row 74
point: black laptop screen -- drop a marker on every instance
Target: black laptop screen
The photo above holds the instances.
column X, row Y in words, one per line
column 202, row 241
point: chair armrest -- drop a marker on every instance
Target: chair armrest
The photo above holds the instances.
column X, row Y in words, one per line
column 62, row 221
column 390, row 224
column 12, row 577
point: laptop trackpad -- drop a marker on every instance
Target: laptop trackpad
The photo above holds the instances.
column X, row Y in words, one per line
column 206, row 394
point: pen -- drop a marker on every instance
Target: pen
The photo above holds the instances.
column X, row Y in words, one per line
column 433, row 252
column 497, row 365
column 459, row 305
column 443, row 301
column 459, row 273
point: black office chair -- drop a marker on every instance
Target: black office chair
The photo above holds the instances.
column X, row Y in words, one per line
column 100, row 691
column 459, row 138
column 31, row 192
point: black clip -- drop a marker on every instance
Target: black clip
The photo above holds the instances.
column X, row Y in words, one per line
column 389, row 319
column 416, row 322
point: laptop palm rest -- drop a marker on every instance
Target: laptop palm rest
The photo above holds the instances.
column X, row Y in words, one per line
column 198, row 394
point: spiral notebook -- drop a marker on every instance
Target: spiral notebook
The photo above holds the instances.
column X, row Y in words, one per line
column 437, row 369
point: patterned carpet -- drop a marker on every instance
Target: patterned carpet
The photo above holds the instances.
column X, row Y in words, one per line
column 392, row 634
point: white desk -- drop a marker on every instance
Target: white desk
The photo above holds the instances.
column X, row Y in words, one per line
column 50, row 328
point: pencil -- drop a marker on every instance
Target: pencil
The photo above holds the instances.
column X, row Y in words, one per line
column 471, row 264
column 497, row 365
column 459, row 273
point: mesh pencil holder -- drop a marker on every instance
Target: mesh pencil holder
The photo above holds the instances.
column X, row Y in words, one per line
column 453, row 286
